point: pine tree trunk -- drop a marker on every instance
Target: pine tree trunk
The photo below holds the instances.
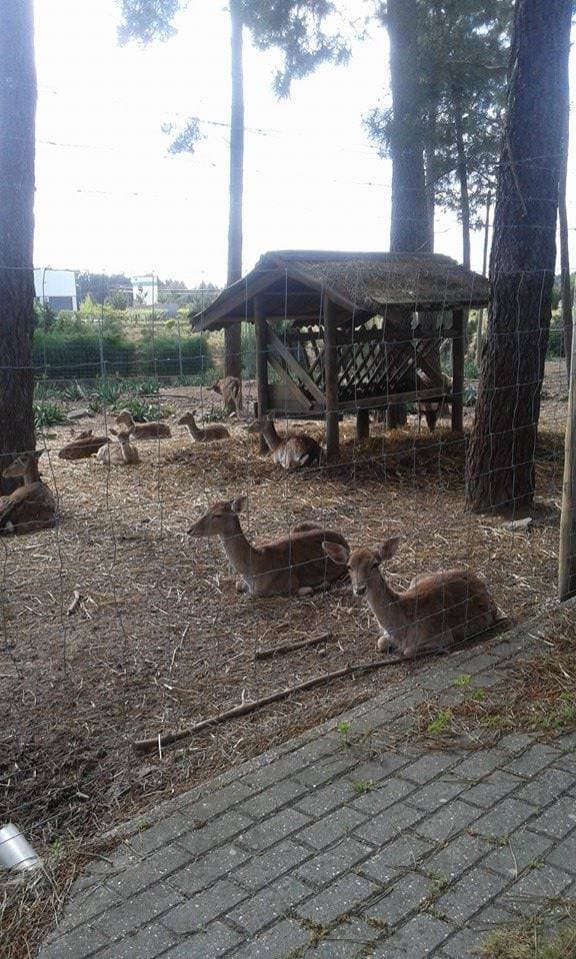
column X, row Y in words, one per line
column 17, row 152
column 232, row 336
column 566, row 292
column 501, row 452
column 462, row 165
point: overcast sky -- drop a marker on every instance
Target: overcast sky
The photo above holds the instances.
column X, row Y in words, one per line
column 110, row 198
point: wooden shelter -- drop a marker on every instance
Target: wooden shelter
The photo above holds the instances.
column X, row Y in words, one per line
column 351, row 332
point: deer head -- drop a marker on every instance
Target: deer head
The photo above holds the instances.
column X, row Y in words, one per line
column 221, row 519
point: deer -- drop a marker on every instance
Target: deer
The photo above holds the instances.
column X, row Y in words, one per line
column 432, row 410
column 82, row 447
column 230, row 389
column 142, row 431
column 120, row 453
column 293, row 565
column 206, row 434
column 31, row 507
column 293, row 452
column 435, row 612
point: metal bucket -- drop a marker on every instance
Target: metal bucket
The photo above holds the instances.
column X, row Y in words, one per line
column 15, row 851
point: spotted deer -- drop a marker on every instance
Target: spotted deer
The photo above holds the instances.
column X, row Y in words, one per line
column 206, row 434
column 230, row 389
column 294, row 451
column 142, row 431
column 30, row 507
column 82, row 447
column 436, row 611
column 293, row 565
column 119, row 453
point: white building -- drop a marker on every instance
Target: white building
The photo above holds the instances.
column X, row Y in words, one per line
column 145, row 290
column 56, row 288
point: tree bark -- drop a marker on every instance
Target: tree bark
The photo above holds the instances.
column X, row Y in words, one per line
column 233, row 333
column 17, row 154
column 484, row 268
column 462, row 169
column 501, row 452
column 566, row 291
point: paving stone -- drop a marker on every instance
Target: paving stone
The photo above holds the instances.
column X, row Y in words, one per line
column 273, row 798
column 349, row 939
column 524, row 847
column 320, row 773
column 146, row 944
column 217, row 801
column 529, row 892
column 269, row 904
column 208, row 943
column 137, row 910
column 388, row 824
column 152, row 869
column 327, row 865
column 532, row 760
column 330, row 828
column 469, row 894
column 504, row 818
column 160, row 834
column 515, row 742
column 448, row 821
column 194, row 913
column 403, row 854
column 564, row 854
column 375, row 770
column 406, row 895
column 491, row 789
column 265, row 868
column 543, row 789
column 323, row 800
column 375, row 800
column 429, row 766
column 434, row 794
column 338, row 899
column 203, row 872
column 478, row 765
column 76, row 943
column 215, row 833
column 276, row 943
column 87, row 906
column 456, row 857
column 558, row 820
column 274, row 829
column 420, row 936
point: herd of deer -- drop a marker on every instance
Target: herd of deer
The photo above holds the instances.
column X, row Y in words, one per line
column 436, row 611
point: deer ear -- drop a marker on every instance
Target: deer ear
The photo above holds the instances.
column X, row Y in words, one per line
column 113, row 431
column 239, row 504
column 388, row 548
column 337, row 553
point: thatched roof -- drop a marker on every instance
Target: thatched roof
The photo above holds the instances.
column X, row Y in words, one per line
column 362, row 285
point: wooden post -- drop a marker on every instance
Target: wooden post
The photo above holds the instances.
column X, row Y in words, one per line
column 261, row 329
column 331, row 380
column 567, row 557
column 458, row 371
column 362, row 424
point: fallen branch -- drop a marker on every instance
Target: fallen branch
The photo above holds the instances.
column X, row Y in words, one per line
column 290, row 647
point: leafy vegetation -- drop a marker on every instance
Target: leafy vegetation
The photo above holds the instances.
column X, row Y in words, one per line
column 47, row 414
column 529, row 942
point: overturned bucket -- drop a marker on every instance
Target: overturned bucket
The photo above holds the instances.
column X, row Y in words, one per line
column 15, row 851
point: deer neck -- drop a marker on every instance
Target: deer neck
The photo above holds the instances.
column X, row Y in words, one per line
column 31, row 473
column 386, row 604
column 269, row 433
column 238, row 550
column 125, row 452
column 196, row 433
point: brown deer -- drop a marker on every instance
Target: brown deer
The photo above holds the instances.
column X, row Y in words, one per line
column 433, row 410
column 293, row 452
column 120, row 453
column 294, row 565
column 82, row 447
column 206, row 434
column 30, row 507
column 142, row 431
column 436, row 611
column 230, row 389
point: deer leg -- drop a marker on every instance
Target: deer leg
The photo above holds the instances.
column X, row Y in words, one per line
column 305, row 591
column 241, row 585
column 385, row 643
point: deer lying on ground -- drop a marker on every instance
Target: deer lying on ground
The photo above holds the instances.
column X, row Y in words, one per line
column 436, row 611
column 294, row 565
column 293, row 452
column 82, row 447
column 30, row 507
column 142, row 431
column 120, row 453
column 206, row 434
column 230, row 389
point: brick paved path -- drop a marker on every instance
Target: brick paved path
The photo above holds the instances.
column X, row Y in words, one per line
column 327, row 850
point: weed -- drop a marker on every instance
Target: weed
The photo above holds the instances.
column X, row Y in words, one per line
column 362, row 786
column 463, row 680
column 343, row 729
column 144, row 412
column 439, row 724
column 47, row 414
column 478, row 695
column 529, row 942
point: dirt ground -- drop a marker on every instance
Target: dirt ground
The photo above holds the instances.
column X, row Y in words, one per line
column 161, row 639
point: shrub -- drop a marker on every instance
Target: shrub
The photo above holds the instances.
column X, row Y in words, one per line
column 144, row 412
column 73, row 354
column 248, row 349
column 159, row 355
column 47, row 414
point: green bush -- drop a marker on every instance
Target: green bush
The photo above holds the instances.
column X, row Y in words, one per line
column 68, row 354
column 47, row 414
column 248, row 349
column 158, row 356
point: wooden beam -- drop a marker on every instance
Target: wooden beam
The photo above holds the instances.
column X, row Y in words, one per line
column 363, row 424
column 261, row 328
column 385, row 399
column 289, row 385
column 277, row 345
column 217, row 312
column 331, row 380
column 458, row 372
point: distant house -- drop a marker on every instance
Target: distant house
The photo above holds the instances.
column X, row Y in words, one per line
column 145, row 290
column 56, row 289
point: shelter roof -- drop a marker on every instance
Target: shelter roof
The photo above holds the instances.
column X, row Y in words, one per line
column 361, row 285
